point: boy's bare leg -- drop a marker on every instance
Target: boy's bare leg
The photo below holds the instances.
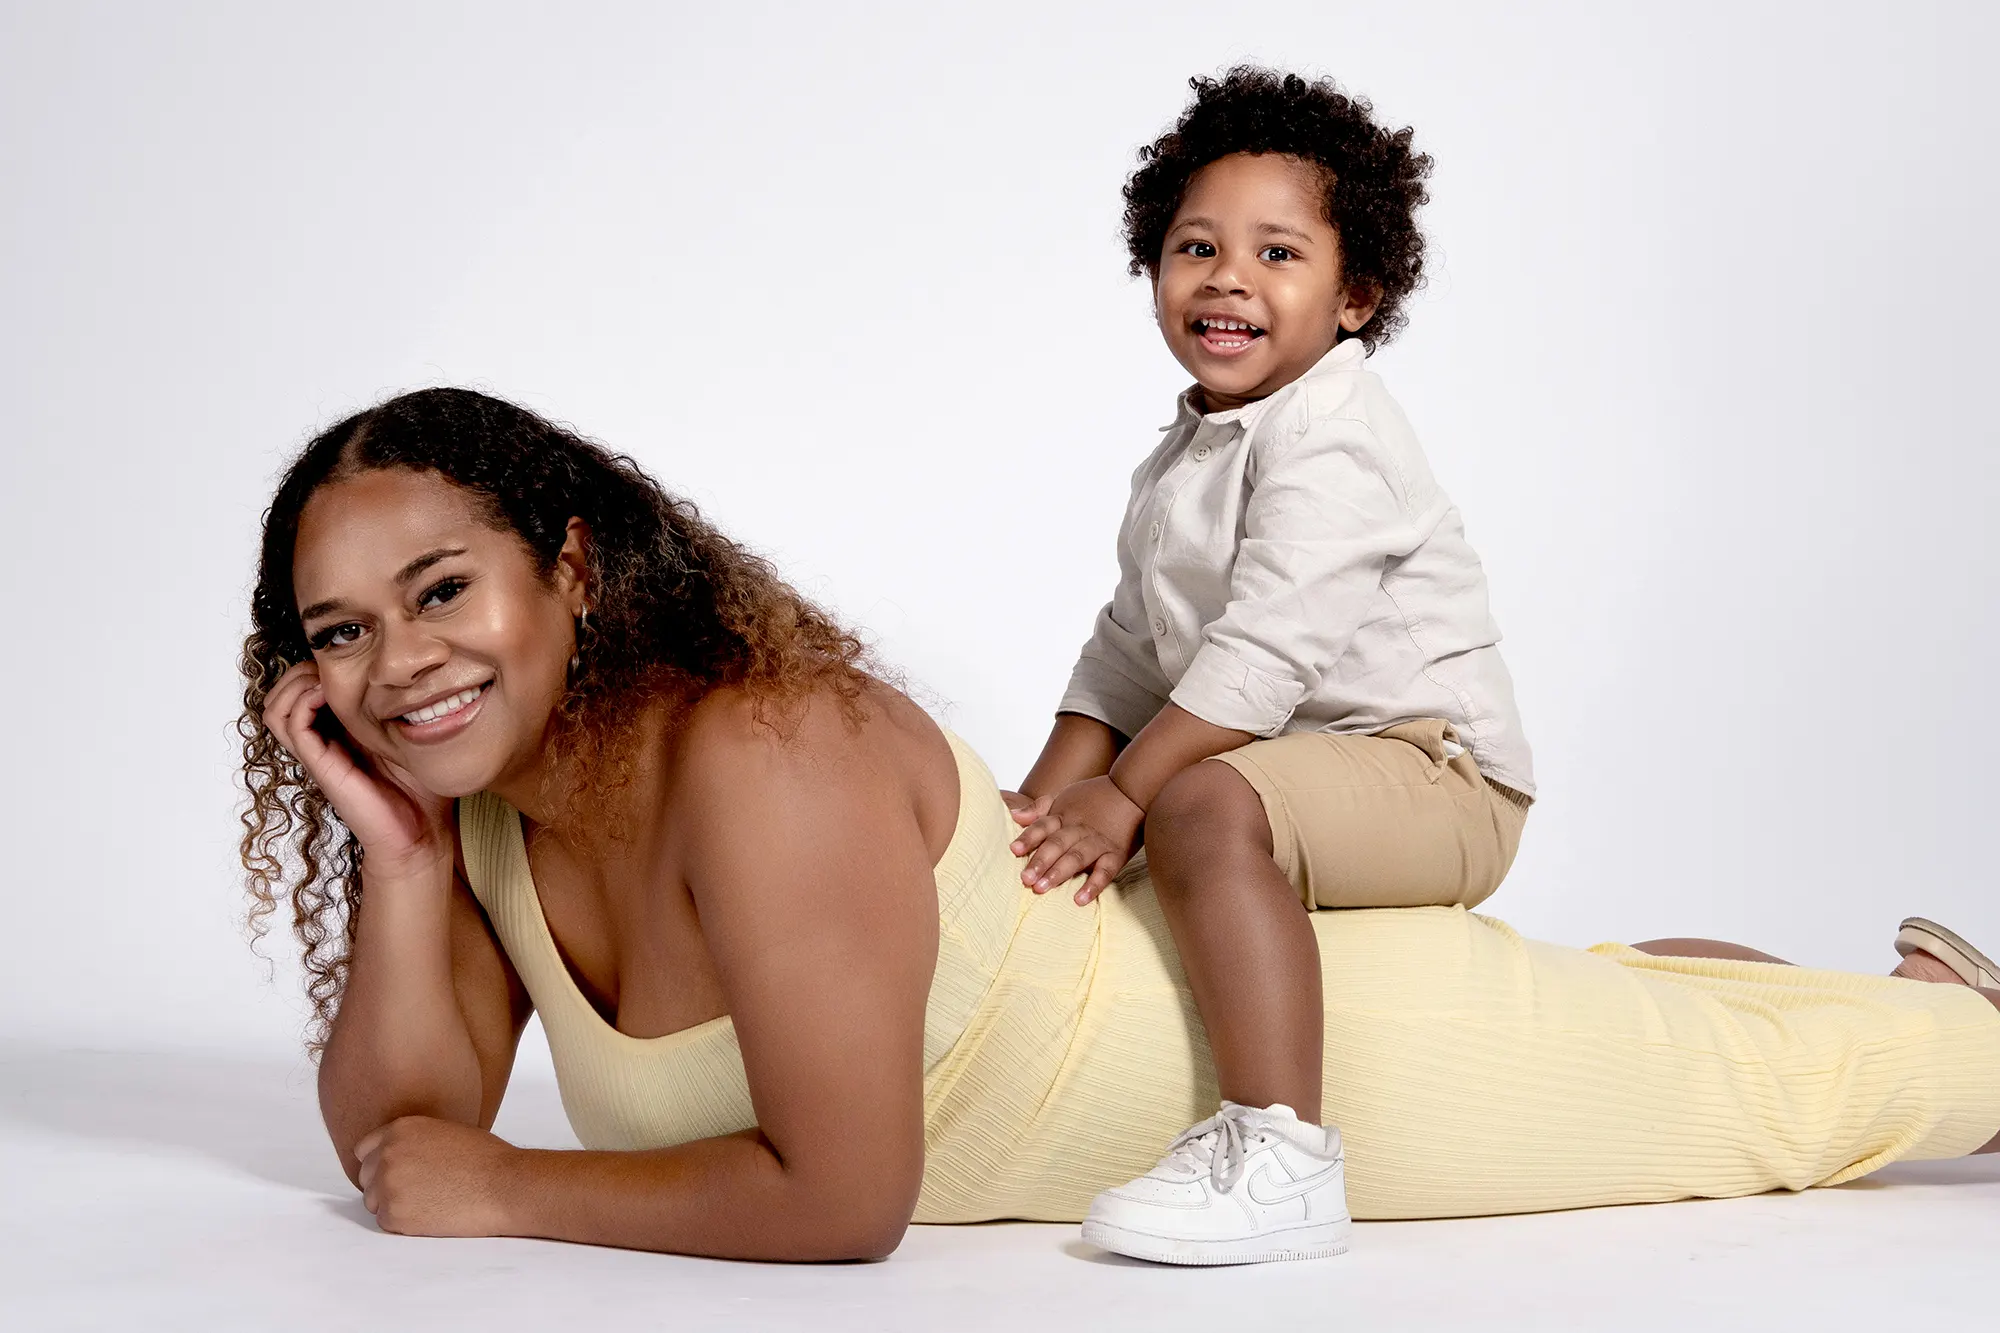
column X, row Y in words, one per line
column 1918, row 966
column 1246, row 941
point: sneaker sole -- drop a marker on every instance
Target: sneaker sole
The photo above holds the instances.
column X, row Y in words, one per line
column 1320, row 1240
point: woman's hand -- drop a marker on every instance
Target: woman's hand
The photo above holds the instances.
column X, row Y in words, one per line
column 401, row 827
column 1027, row 809
column 426, row 1177
column 1089, row 824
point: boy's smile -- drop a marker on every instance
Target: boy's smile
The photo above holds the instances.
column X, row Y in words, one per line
column 1249, row 289
column 1222, row 334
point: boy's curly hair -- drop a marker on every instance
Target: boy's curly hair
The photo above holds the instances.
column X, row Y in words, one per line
column 1374, row 178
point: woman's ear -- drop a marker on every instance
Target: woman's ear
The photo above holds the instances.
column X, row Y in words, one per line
column 1362, row 300
column 573, row 567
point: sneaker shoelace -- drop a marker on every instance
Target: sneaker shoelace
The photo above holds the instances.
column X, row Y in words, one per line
column 1218, row 1143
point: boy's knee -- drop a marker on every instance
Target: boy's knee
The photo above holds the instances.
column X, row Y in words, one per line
column 1206, row 802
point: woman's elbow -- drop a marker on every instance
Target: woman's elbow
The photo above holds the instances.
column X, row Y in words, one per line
column 862, row 1223
column 861, row 1230
column 871, row 1243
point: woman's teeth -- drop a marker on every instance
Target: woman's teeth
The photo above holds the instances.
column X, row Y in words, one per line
column 443, row 707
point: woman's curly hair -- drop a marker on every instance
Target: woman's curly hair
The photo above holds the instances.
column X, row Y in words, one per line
column 1374, row 178
column 676, row 609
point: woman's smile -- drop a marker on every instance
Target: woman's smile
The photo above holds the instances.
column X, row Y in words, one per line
column 442, row 718
column 416, row 607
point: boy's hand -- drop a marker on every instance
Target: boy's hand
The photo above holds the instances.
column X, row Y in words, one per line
column 1087, row 825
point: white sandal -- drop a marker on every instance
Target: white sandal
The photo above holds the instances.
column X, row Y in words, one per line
column 1973, row 967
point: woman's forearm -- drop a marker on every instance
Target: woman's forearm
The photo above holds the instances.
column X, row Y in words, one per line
column 730, row 1198
column 1078, row 747
column 399, row 1045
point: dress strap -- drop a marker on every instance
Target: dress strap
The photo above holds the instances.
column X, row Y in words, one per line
column 484, row 829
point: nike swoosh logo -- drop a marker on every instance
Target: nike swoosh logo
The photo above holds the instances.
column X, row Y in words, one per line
column 1281, row 1191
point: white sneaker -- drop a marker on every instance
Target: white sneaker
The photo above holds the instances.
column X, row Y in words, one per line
column 1244, row 1187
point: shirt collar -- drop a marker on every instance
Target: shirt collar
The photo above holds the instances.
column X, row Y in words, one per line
column 1347, row 354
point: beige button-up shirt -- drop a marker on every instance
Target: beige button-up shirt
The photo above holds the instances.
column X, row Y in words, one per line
column 1292, row 566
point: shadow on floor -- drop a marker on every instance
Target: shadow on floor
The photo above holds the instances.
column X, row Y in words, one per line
column 259, row 1117
column 255, row 1116
column 1983, row 1169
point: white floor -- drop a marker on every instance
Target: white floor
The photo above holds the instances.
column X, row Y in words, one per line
column 148, row 1191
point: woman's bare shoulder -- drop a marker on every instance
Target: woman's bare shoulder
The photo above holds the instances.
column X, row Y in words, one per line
column 740, row 754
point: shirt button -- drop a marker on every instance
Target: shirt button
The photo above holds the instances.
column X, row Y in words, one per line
column 1153, row 533
column 1201, row 453
column 1159, row 628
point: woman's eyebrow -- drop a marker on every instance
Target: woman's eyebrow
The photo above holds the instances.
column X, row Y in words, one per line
column 1206, row 224
column 425, row 561
column 318, row 609
column 403, row 576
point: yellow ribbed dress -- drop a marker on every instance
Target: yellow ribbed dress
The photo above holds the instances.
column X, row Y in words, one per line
column 1471, row 1071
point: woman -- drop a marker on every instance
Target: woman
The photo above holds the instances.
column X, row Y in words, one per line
column 523, row 733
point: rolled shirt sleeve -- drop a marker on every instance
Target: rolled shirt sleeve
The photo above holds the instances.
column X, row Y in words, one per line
column 1320, row 526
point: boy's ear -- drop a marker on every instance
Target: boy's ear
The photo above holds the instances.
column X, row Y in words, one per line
column 1362, row 301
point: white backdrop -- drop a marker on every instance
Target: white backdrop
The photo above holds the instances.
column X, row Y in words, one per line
column 1705, row 360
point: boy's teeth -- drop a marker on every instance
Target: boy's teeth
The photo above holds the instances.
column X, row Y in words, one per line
column 432, row 712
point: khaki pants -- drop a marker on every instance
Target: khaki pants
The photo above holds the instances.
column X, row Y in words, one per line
column 1383, row 821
